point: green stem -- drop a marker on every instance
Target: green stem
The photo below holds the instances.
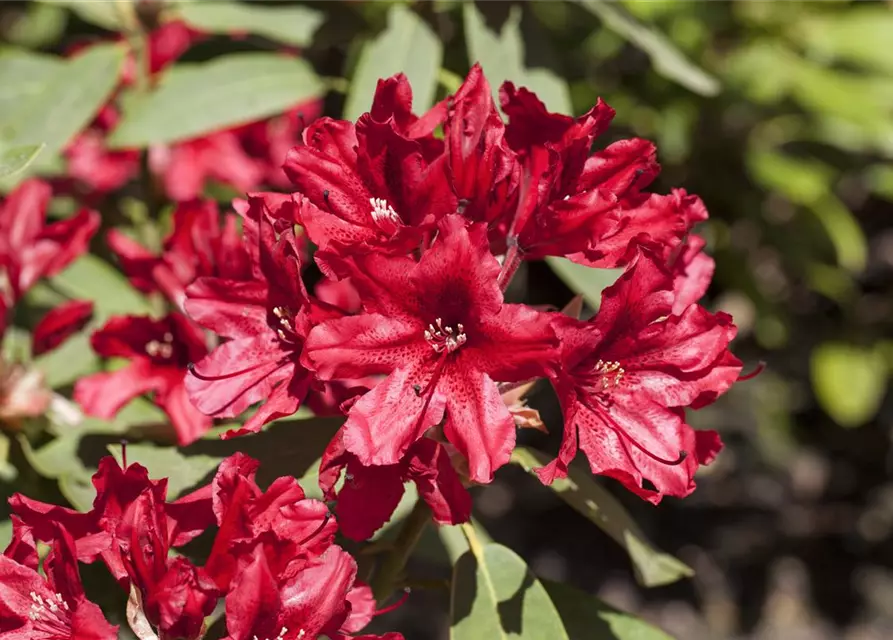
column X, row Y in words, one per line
column 390, row 572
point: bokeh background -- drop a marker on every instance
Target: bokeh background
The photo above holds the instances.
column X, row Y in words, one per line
column 780, row 116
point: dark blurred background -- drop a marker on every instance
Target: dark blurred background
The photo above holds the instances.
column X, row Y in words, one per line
column 780, row 116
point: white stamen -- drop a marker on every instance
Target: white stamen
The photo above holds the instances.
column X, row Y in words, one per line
column 384, row 215
column 443, row 338
column 606, row 369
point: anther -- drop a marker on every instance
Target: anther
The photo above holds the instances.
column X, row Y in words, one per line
column 325, row 195
column 384, row 215
column 447, row 338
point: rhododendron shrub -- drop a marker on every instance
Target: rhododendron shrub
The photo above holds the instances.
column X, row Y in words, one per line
column 352, row 321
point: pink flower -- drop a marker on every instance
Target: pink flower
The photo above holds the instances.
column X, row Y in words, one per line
column 440, row 330
column 628, row 374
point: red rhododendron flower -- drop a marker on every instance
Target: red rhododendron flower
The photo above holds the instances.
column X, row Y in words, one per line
column 159, row 352
column 92, row 163
column 371, row 493
column 378, row 185
column 106, row 530
column 628, row 373
column 31, row 249
column 50, row 607
column 692, row 271
column 266, row 321
column 441, row 331
column 59, row 324
column 199, row 244
column 289, row 528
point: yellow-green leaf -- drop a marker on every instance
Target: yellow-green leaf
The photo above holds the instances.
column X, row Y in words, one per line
column 849, row 381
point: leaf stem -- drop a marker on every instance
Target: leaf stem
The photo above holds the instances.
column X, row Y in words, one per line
column 389, row 573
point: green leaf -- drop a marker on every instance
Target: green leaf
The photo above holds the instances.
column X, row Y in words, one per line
column 584, row 280
column 66, row 101
column 653, row 568
column 182, row 471
column 102, row 14
column 289, row 24
column 15, row 159
column 91, row 278
column 502, row 57
column 849, row 381
column 494, row 595
column 23, row 74
column 196, row 98
column 586, row 617
column 63, row 365
column 860, row 35
column 407, row 45
column 666, row 58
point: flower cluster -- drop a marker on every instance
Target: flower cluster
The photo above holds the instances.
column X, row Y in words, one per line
column 418, row 236
column 273, row 561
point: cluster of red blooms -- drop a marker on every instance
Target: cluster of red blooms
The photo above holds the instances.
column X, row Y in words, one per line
column 417, row 225
column 273, row 561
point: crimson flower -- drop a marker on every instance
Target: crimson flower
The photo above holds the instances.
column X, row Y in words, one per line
column 159, row 352
column 289, row 528
column 199, row 244
column 59, row 324
column 371, row 493
column 628, row 374
column 31, row 249
column 440, row 330
column 50, row 607
column 106, row 530
column 266, row 322
column 692, row 273
column 378, row 185
column 92, row 163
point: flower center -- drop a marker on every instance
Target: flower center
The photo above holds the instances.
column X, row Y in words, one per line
column 282, row 633
column 611, row 373
column 384, row 216
column 445, row 338
column 50, row 616
column 285, row 330
column 163, row 348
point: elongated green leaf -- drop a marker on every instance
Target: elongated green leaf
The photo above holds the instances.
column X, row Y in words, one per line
column 666, row 58
column 502, row 57
column 65, row 364
column 291, row 24
column 102, row 14
column 66, row 101
column 653, row 568
column 16, row 159
column 584, row 280
column 407, row 45
column 193, row 99
column 495, row 595
column 860, row 35
column 586, row 617
column 183, row 472
column 22, row 75
column 849, row 381
column 91, row 278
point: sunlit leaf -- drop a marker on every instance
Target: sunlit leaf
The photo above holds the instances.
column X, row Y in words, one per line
column 66, row 100
column 232, row 89
column 653, row 568
column 584, row 280
column 407, row 45
column 861, row 35
column 92, row 278
column 849, row 381
column 291, row 24
column 586, row 617
column 102, row 14
column 16, row 159
column 182, row 471
column 502, row 56
column 495, row 595
column 666, row 58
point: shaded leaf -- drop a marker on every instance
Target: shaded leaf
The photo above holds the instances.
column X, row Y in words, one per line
column 15, row 159
column 849, row 381
column 652, row 567
column 407, row 45
column 502, row 57
column 102, row 14
column 197, row 98
column 182, row 471
column 290, row 24
column 586, row 617
column 584, row 280
column 666, row 58
column 495, row 595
